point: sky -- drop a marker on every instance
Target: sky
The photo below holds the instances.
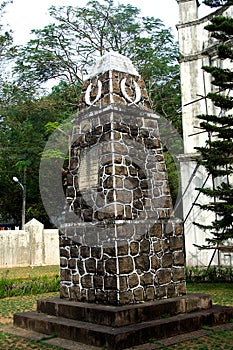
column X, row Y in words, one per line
column 24, row 15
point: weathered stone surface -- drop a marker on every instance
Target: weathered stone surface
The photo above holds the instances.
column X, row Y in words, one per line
column 150, row 293
column 147, row 279
column 123, row 196
column 74, row 252
column 131, row 183
column 96, row 252
column 125, row 265
column 65, row 252
column 142, row 262
column 161, row 292
column 178, row 258
column 145, row 246
column 111, row 266
column 110, row 282
column 122, row 248
column 72, row 264
column 64, row 291
column 167, row 260
column 110, row 251
column 138, row 294
column 176, row 243
column 133, row 280
column 123, row 283
column 156, row 230
column 181, row 288
column 128, row 244
column 126, row 297
column 80, row 265
column 164, row 276
column 178, row 274
column 65, row 274
column 112, row 297
column 98, row 282
column 76, row 278
column 155, row 262
column 85, row 251
column 134, row 248
column 86, row 281
column 100, row 267
column 75, row 292
column 90, row 265
column 63, row 262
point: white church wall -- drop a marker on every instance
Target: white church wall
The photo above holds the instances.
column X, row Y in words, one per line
column 196, row 50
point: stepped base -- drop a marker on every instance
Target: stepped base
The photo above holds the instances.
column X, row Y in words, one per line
column 115, row 327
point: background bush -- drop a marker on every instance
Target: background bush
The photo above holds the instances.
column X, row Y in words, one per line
column 213, row 274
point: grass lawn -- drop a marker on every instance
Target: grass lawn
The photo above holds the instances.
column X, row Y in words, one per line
column 28, row 272
column 222, row 293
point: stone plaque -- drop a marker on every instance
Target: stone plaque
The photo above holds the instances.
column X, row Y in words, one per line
column 88, row 172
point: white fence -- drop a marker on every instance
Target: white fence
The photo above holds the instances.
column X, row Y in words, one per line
column 33, row 246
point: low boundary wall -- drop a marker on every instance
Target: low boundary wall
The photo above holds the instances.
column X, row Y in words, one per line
column 33, row 246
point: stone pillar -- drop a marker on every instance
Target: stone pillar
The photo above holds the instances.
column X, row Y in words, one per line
column 36, row 242
column 188, row 10
column 121, row 243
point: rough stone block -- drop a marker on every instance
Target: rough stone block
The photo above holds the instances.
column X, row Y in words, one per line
column 125, row 265
column 98, row 282
column 176, row 243
column 90, row 265
column 110, row 282
column 147, row 279
column 178, row 274
column 164, row 276
column 178, row 258
column 134, row 248
column 167, row 260
column 111, row 266
column 156, row 230
column 65, row 274
column 133, row 280
column 126, row 297
column 150, row 293
column 86, row 281
column 142, row 262
column 145, row 246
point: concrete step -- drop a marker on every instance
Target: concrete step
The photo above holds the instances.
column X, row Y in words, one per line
column 116, row 338
column 118, row 316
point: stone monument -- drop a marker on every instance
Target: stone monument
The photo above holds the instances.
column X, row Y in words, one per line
column 126, row 246
column 121, row 248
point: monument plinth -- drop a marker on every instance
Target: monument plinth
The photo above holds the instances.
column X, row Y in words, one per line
column 121, row 248
column 126, row 245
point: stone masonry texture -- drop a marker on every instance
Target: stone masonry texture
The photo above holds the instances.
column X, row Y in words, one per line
column 120, row 243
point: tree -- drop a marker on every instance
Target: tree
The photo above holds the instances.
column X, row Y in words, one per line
column 217, row 156
column 6, row 48
column 68, row 47
column 23, row 135
column 63, row 50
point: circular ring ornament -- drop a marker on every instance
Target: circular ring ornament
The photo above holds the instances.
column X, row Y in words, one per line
column 88, row 94
column 137, row 92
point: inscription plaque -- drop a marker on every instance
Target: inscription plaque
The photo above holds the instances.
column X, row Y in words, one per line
column 89, row 168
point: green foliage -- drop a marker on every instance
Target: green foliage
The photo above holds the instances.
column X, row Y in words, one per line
column 35, row 285
column 213, row 274
column 24, row 129
column 216, row 156
column 67, row 50
column 217, row 3
column 64, row 50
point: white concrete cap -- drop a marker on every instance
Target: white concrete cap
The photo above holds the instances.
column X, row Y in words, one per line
column 113, row 61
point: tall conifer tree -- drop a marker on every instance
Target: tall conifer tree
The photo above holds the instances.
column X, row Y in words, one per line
column 217, row 155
